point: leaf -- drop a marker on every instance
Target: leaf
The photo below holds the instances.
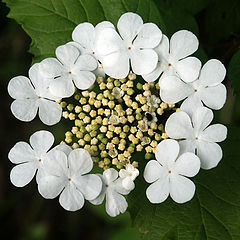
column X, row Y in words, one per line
column 222, row 20
column 234, row 71
column 176, row 18
column 214, row 212
column 50, row 22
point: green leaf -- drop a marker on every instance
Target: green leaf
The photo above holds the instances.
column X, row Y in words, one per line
column 50, row 22
column 214, row 212
column 234, row 71
column 222, row 20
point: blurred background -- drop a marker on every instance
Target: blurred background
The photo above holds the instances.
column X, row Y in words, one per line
column 24, row 214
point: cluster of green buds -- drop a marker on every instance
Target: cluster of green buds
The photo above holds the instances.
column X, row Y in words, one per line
column 116, row 118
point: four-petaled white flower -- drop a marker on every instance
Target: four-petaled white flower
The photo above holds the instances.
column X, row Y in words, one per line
column 69, row 67
column 30, row 158
column 84, row 37
column 207, row 88
column 67, row 176
column 128, row 176
column 153, row 101
column 32, row 94
column 135, row 44
column 113, row 190
column 197, row 136
column 174, row 60
column 168, row 174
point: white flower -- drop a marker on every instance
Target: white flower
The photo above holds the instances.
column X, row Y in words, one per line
column 32, row 95
column 168, row 173
column 128, row 176
column 29, row 158
column 70, row 67
column 207, row 88
column 66, row 175
column 153, row 101
column 174, row 60
column 112, row 189
column 84, row 36
column 135, row 45
column 197, row 136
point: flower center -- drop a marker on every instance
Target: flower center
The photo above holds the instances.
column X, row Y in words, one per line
column 169, row 171
column 93, row 52
column 70, row 72
column 40, row 160
column 106, row 185
column 129, row 48
column 69, row 179
column 195, row 90
column 169, row 64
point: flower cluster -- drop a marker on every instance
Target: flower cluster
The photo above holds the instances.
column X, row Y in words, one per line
column 124, row 91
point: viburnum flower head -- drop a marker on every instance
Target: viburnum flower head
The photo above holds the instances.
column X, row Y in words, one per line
column 70, row 69
column 84, row 36
column 135, row 44
column 207, row 89
column 67, row 176
column 168, row 174
column 197, row 136
column 173, row 57
column 113, row 190
column 30, row 158
column 31, row 96
column 128, row 176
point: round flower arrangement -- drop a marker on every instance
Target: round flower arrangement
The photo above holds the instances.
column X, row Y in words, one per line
column 124, row 91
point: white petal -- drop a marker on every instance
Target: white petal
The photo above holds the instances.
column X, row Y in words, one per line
column 117, row 185
column 129, row 25
column 201, row 118
column 179, row 126
column 67, row 54
column 21, row 152
column 214, row 133
column 99, row 199
column 190, row 104
column 188, row 69
column 84, row 34
column 42, row 141
column 71, row 198
column 143, row 61
column 188, row 164
column 116, row 64
column 213, row 72
column 167, row 152
column 84, row 79
column 23, row 173
column 153, row 171
column 62, row 87
column 51, row 186
column 115, row 203
column 80, row 161
column 104, row 24
column 50, row 67
column 148, row 37
column 110, row 175
column 56, row 164
column 50, row 112
column 128, row 183
column 36, row 77
column 163, row 49
column 152, row 76
column 123, row 173
column 63, row 148
column 108, row 41
column 24, row 109
column 90, row 185
column 173, row 90
column 209, row 153
column 182, row 44
column 85, row 63
column 181, row 189
column 21, row 88
column 214, row 97
column 158, row 191
column 187, row 146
